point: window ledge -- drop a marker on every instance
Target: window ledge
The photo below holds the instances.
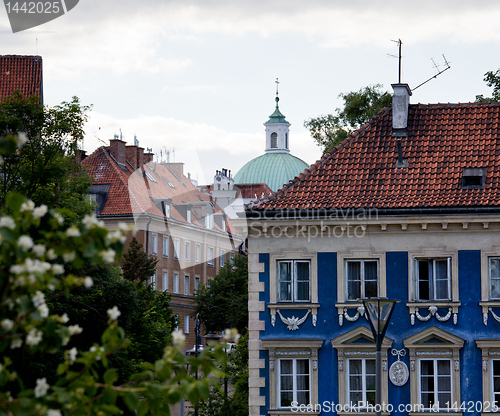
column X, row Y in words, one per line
column 432, row 308
column 486, row 307
column 290, row 322
column 343, row 308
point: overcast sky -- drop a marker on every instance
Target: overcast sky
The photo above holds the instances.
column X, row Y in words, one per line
column 198, row 76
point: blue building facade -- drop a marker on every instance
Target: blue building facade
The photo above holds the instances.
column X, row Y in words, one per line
column 421, row 225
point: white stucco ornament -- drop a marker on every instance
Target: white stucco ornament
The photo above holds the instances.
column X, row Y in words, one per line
column 293, row 322
column 398, row 373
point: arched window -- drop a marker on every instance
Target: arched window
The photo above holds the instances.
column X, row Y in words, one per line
column 274, row 140
column 286, row 140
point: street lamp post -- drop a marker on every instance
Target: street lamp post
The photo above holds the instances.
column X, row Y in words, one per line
column 378, row 312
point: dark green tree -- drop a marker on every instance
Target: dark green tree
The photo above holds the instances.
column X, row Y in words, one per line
column 359, row 106
column 45, row 168
column 492, row 79
column 136, row 267
column 224, row 302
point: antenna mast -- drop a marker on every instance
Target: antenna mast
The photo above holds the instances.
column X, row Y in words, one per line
column 446, row 63
column 399, row 42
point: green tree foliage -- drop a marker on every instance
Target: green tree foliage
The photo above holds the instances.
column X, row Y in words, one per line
column 223, row 302
column 359, row 106
column 136, row 267
column 492, row 79
column 44, row 169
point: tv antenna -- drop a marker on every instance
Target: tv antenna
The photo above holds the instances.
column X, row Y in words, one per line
column 446, row 64
column 399, row 57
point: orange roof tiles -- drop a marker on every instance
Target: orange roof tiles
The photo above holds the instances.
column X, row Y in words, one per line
column 24, row 73
column 361, row 172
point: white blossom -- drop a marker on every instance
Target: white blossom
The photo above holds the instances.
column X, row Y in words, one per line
column 72, row 353
column 41, row 387
column 20, row 281
column 69, row 257
column 64, row 319
column 28, row 206
column 75, row 329
column 7, row 324
column 108, row 256
column 16, row 343
column 39, row 250
column 34, row 337
column 25, row 242
column 7, row 222
column 116, row 236
column 114, row 313
column 91, row 221
column 43, row 310
column 93, row 348
column 16, row 269
column 40, row 211
column 88, row 282
column 57, row 269
column 179, row 338
column 38, row 299
column 73, row 231
column 51, row 287
column 54, row 412
column 51, row 254
column 36, row 266
column 59, row 218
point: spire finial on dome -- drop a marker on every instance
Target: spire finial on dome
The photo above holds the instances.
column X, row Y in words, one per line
column 277, row 97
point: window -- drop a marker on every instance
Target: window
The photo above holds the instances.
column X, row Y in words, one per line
column 93, row 202
column 495, row 381
column 222, row 258
column 356, row 367
column 177, row 248
column 196, row 284
column 165, row 246
column 210, row 256
column 361, row 377
column 293, row 372
column 186, row 285
column 188, row 216
column 432, row 279
column 165, row 281
column 494, row 277
column 186, row 250
column 362, row 279
column 473, row 178
column 294, row 280
column 435, row 383
column 176, row 282
column 274, row 140
column 294, row 382
column 153, row 279
column 186, row 324
column 154, row 248
column 434, row 368
column 197, row 253
column 490, row 348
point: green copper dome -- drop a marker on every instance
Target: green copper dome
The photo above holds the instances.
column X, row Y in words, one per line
column 273, row 169
column 277, row 116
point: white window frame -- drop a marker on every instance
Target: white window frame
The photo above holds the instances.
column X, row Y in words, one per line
column 165, row 246
column 165, row 281
column 187, row 249
column 222, row 258
column 186, row 284
column 294, row 376
column 443, row 406
column 153, row 279
column 196, row 284
column 362, row 277
column 210, row 256
column 154, row 244
column 490, row 258
column 291, row 348
column 432, row 279
column 176, row 282
column 186, row 324
column 294, row 280
column 188, row 216
column 197, row 250
column 490, row 351
column 177, row 249
column 363, row 382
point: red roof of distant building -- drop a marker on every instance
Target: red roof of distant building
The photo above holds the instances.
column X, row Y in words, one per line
column 24, row 73
column 442, row 140
column 254, row 190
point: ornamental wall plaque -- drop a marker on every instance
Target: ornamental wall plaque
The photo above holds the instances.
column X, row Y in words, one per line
column 398, row 373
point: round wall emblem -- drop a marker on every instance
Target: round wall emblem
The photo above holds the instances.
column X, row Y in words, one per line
column 398, row 373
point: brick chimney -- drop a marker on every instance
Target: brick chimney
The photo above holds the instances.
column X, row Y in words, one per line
column 148, row 157
column 131, row 155
column 117, row 150
column 400, row 104
column 140, row 157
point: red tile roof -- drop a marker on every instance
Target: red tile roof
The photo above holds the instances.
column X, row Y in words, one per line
column 22, row 73
column 131, row 192
column 361, row 172
column 254, row 190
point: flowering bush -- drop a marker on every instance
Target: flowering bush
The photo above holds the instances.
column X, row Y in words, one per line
column 35, row 262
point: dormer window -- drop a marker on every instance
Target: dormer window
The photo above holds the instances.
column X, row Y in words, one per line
column 274, row 140
column 473, row 178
